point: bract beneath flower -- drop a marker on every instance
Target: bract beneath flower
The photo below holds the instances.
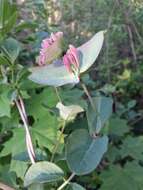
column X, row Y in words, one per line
column 68, row 112
column 90, row 50
column 54, row 74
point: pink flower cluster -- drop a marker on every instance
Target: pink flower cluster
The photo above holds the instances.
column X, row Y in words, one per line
column 46, row 44
column 49, row 48
column 71, row 59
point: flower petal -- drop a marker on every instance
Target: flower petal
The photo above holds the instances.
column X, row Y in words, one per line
column 90, row 51
column 54, row 74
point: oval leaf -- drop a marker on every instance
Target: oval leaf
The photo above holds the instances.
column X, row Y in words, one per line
column 54, row 74
column 98, row 117
column 74, row 186
column 84, row 153
column 42, row 172
column 90, row 51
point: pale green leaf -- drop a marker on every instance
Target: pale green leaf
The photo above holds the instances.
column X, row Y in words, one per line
column 54, row 74
column 42, row 172
column 90, row 51
column 68, row 112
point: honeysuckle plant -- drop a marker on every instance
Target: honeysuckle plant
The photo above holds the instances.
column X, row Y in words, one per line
column 84, row 148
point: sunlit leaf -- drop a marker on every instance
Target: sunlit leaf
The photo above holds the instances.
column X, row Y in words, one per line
column 68, row 112
column 90, row 51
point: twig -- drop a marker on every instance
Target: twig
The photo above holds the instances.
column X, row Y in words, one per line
column 58, row 95
column 22, row 112
column 57, row 144
column 137, row 33
column 88, row 95
column 66, row 182
column 107, row 40
column 127, row 22
column 5, row 187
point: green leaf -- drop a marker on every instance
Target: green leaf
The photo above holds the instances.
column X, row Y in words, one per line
column 42, row 172
column 71, row 96
column 9, row 146
column 115, row 178
column 132, row 146
column 12, row 147
column 36, row 187
column 74, row 186
column 4, row 106
column 5, row 101
column 45, row 126
column 54, row 74
column 3, row 60
column 84, row 153
column 134, row 170
column 127, row 178
column 90, row 51
column 98, row 117
column 8, row 177
column 113, row 154
column 8, row 16
column 118, row 126
column 11, row 48
column 18, row 167
column 23, row 156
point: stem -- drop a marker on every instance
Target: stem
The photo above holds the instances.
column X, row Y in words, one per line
column 57, row 144
column 88, row 95
column 66, row 182
column 58, row 95
column 5, row 187
column 92, row 105
column 23, row 115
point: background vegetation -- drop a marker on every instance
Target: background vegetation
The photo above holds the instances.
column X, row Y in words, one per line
column 117, row 73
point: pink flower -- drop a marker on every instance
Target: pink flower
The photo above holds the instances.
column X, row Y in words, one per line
column 71, row 60
column 50, row 48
